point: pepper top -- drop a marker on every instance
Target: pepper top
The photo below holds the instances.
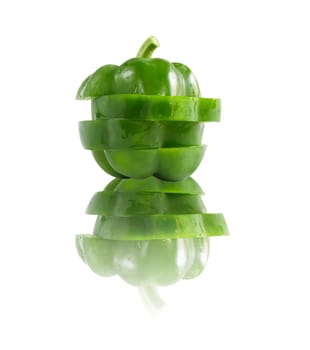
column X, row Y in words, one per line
column 141, row 75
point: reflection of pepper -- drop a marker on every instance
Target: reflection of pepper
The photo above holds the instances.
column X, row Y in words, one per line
column 138, row 212
column 144, row 262
column 124, row 204
column 154, row 185
column 137, row 227
column 149, row 231
column 131, row 209
column 147, row 117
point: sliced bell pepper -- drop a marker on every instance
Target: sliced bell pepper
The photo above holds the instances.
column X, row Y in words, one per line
column 146, row 262
column 154, row 185
column 104, row 164
column 97, row 253
column 108, row 203
column 124, row 133
column 147, row 124
column 160, row 226
column 171, row 164
column 158, row 108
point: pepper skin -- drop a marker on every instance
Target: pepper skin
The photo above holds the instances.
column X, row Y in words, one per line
column 152, row 228
column 100, row 134
column 154, row 185
column 141, row 75
column 125, row 204
column 139, row 227
column 147, row 117
column 144, row 262
column 157, row 108
column 171, row 164
column 149, row 196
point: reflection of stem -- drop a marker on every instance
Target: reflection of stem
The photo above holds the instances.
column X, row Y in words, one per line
column 152, row 300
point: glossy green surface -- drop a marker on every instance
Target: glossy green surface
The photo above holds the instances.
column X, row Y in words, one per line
column 123, row 133
column 157, row 108
column 154, row 185
column 141, row 75
column 145, row 262
column 147, row 125
column 108, row 203
column 160, row 226
column 104, row 164
column 171, row 164
column 97, row 253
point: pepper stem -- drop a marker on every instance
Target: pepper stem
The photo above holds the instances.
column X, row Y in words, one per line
column 152, row 300
column 147, row 48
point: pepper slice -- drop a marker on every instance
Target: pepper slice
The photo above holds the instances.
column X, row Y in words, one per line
column 108, row 203
column 151, row 107
column 160, row 226
column 124, row 133
column 104, row 164
column 97, row 253
column 154, row 185
column 146, row 262
column 171, row 164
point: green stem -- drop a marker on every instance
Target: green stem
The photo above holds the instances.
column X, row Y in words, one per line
column 147, row 48
column 152, row 300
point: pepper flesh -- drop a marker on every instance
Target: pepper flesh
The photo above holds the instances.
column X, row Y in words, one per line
column 139, row 227
column 157, row 108
column 172, row 164
column 100, row 134
column 145, row 262
column 129, row 203
column 154, row 185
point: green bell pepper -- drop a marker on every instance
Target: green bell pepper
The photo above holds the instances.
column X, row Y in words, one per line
column 108, row 203
column 139, row 227
column 145, row 262
column 141, row 75
column 101, row 134
column 154, row 185
column 148, row 117
column 147, row 125
column 157, row 108
column 104, row 164
column 150, row 196
column 172, row 164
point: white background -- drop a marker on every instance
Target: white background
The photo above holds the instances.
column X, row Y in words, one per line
column 255, row 291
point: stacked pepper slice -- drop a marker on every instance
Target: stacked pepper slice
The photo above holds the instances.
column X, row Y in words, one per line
column 147, row 117
column 150, row 231
column 147, row 124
